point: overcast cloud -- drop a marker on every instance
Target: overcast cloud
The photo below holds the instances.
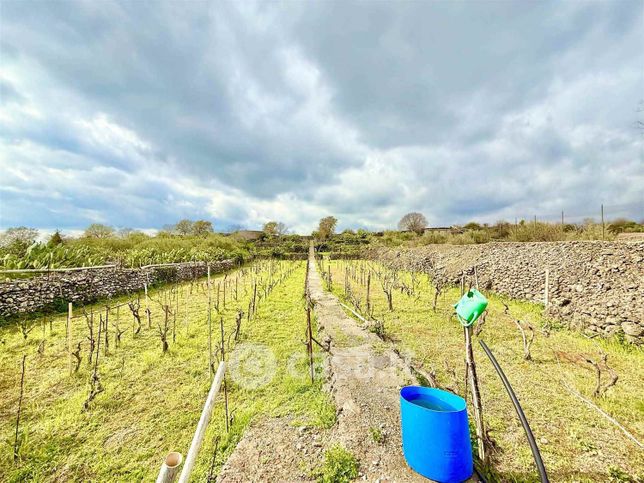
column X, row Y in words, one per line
column 140, row 113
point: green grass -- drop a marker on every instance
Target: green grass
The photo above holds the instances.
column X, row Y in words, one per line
column 152, row 401
column 576, row 442
column 340, row 466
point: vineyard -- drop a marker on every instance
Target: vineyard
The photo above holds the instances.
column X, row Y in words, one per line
column 140, row 371
column 567, row 383
column 107, row 390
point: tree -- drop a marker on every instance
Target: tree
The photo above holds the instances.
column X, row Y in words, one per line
column 202, row 228
column 622, row 225
column 274, row 228
column 327, row 227
column 17, row 239
column 472, row 225
column 184, row 227
column 125, row 232
column 98, row 230
column 413, row 221
column 55, row 239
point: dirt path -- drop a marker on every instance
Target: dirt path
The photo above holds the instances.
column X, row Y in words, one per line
column 275, row 450
column 365, row 376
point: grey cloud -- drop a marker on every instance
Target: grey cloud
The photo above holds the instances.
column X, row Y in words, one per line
column 366, row 110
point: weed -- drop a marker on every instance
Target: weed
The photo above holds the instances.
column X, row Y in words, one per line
column 340, row 466
column 618, row 475
column 377, row 435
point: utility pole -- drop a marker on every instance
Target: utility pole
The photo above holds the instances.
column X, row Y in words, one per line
column 603, row 221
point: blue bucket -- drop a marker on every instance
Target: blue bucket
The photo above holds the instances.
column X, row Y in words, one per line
column 435, row 434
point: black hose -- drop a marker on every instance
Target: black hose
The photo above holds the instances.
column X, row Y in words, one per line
column 524, row 422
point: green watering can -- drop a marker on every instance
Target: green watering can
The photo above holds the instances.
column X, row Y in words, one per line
column 470, row 307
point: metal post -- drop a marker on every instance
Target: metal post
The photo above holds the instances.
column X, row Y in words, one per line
column 603, row 222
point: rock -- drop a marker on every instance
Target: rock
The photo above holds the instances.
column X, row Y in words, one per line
column 632, row 329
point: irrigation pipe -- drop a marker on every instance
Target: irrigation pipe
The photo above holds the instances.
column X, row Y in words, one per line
column 524, row 422
column 197, row 439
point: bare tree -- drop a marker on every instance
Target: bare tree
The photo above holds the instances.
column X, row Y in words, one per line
column 98, row 230
column 413, row 221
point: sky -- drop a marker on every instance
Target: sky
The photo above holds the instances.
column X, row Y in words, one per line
column 138, row 114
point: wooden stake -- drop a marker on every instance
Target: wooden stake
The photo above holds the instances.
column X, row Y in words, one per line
column 310, row 337
column 147, row 305
column 70, row 356
column 476, row 396
column 223, row 359
column 16, row 446
column 210, row 370
column 368, row 295
column 107, row 339
column 185, row 311
column 546, row 292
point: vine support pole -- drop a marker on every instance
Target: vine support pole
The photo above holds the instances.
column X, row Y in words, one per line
column 368, row 294
column 309, row 329
column 70, row 362
column 476, row 395
column 16, row 445
column 170, row 467
column 197, row 439
column 210, row 368
column 147, row 305
column 185, row 308
column 223, row 359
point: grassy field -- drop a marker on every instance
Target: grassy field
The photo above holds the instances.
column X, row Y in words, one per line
column 152, row 401
column 577, row 443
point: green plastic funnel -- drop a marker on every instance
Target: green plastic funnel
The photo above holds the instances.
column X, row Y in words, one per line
column 470, row 307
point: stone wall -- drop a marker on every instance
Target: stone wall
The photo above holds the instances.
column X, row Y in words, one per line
column 44, row 291
column 597, row 287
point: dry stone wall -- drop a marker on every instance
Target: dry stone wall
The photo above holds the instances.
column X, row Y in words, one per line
column 597, row 287
column 38, row 293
